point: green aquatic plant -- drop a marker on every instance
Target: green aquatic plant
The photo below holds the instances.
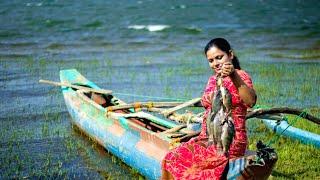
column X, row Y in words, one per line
column 298, row 54
column 55, row 46
column 45, row 130
column 170, row 72
column 94, row 24
column 168, row 91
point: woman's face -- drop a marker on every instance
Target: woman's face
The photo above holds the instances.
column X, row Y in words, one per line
column 216, row 58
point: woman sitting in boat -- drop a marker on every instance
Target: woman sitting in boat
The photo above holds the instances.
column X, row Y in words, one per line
column 199, row 158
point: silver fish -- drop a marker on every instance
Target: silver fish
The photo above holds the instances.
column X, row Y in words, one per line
column 213, row 119
column 217, row 127
column 226, row 99
column 227, row 135
column 228, row 130
column 216, row 104
column 209, row 125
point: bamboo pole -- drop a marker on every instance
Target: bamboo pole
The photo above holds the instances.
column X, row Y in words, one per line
column 175, row 129
column 168, row 112
column 100, row 91
column 143, row 115
column 285, row 110
column 189, row 136
column 148, row 105
column 271, row 117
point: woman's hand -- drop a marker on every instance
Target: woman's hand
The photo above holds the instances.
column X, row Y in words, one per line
column 227, row 69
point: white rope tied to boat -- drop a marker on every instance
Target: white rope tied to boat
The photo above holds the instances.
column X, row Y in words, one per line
column 187, row 117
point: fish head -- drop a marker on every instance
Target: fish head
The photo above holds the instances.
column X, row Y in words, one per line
column 216, row 101
column 226, row 98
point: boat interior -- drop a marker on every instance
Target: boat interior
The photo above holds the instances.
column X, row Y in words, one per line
column 109, row 100
column 106, row 101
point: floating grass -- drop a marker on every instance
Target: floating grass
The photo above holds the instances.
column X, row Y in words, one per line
column 94, row 24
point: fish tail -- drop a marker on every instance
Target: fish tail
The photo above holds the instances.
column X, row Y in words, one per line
column 226, row 153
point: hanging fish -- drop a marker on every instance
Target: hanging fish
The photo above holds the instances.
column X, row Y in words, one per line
column 220, row 127
column 213, row 119
column 227, row 135
column 228, row 130
column 218, row 130
column 226, row 99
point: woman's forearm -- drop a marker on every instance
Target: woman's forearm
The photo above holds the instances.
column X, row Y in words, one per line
column 246, row 93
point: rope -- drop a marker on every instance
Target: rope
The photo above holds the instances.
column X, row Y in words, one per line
column 137, row 106
column 109, row 109
column 275, row 138
column 285, row 118
column 149, row 105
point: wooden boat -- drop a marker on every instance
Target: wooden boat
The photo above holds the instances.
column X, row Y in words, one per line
column 141, row 139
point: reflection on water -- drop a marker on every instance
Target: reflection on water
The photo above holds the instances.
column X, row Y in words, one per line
column 126, row 47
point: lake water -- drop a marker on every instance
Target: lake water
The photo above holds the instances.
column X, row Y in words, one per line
column 146, row 47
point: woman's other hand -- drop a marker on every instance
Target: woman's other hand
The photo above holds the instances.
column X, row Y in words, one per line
column 227, row 69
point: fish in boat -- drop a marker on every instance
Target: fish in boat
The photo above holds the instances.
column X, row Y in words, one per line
column 139, row 138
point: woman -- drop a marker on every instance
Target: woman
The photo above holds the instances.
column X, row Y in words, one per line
column 195, row 159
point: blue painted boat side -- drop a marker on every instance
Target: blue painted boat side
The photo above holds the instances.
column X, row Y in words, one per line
column 94, row 123
column 303, row 136
column 123, row 147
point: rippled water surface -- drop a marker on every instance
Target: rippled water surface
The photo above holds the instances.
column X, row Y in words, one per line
column 145, row 47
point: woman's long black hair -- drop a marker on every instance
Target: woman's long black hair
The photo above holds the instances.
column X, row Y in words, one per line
column 224, row 46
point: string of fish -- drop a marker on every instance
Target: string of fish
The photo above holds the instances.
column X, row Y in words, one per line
column 220, row 126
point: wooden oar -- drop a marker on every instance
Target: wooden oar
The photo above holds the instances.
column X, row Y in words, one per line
column 100, row 91
column 167, row 112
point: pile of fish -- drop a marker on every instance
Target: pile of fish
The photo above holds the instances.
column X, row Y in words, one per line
column 220, row 126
